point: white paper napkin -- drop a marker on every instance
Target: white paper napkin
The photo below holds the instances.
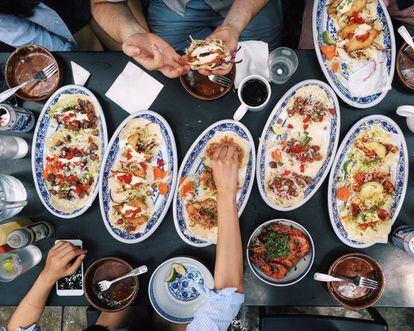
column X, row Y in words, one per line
column 80, row 74
column 134, row 89
column 369, row 77
column 255, row 57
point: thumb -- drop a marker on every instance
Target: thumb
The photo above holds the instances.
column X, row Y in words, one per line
column 75, row 265
column 131, row 50
column 158, row 56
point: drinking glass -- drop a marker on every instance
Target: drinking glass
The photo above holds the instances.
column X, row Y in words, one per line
column 13, row 197
column 16, row 262
column 12, row 148
column 283, row 63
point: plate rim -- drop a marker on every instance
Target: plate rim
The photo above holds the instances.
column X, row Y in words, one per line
column 267, row 126
column 291, row 223
column 181, row 258
column 173, row 182
column 184, row 161
column 42, row 114
column 338, row 154
column 325, row 71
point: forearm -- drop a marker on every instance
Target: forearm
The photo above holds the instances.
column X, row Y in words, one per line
column 228, row 271
column 32, row 306
column 116, row 19
column 242, row 12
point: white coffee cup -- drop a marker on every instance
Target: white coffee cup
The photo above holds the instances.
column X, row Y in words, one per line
column 408, row 112
column 243, row 108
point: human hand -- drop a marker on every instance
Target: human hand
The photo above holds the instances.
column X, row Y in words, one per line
column 230, row 37
column 58, row 262
column 154, row 53
column 225, row 165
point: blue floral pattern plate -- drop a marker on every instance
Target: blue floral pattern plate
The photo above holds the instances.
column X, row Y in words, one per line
column 321, row 22
column 178, row 301
column 167, row 152
column 399, row 172
column 44, row 129
column 193, row 164
column 280, row 113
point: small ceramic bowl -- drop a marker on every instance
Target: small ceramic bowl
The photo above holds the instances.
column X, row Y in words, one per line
column 201, row 87
column 296, row 273
column 351, row 266
column 177, row 300
column 405, row 66
column 23, row 64
column 120, row 295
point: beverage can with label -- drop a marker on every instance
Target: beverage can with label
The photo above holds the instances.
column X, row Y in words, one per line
column 15, row 119
column 403, row 238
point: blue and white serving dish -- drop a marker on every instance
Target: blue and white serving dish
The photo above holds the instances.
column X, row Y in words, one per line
column 399, row 173
column 193, row 164
column 46, row 128
column 167, row 152
column 330, row 136
column 321, row 22
column 177, row 301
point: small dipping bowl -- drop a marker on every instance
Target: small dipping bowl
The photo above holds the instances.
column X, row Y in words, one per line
column 351, row 266
column 23, row 64
column 120, row 295
column 201, row 87
column 405, row 66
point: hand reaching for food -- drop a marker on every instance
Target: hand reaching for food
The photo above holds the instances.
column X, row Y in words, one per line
column 154, row 53
column 225, row 165
column 58, row 263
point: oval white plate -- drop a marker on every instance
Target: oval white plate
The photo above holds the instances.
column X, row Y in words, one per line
column 294, row 275
column 168, row 152
column 322, row 22
column 192, row 163
column 165, row 303
column 399, row 172
column 42, row 133
column 331, row 138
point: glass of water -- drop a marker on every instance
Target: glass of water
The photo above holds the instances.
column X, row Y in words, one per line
column 283, row 63
column 12, row 148
column 14, row 263
column 13, row 197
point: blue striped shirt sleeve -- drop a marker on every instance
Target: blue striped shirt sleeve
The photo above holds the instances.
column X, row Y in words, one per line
column 31, row 328
column 220, row 308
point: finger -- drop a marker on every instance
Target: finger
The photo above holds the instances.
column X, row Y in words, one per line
column 131, row 50
column 72, row 269
column 72, row 254
column 65, row 250
column 221, row 72
column 56, row 246
column 230, row 151
column 217, row 153
column 158, row 59
column 204, row 72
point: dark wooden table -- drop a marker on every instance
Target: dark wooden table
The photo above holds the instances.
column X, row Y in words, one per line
column 188, row 117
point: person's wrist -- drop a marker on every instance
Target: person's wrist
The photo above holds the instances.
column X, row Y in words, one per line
column 46, row 279
column 235, row 28
column 133, row 30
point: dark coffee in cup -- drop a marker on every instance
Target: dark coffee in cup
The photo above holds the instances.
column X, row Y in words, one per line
column 254, row 93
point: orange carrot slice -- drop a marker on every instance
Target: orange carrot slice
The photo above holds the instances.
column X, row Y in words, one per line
column 343, row 193
column 163, row 188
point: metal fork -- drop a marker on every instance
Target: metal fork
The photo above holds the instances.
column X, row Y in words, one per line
column 358, row 281
column 44, row 74
column 222, row 80
column 103, row 285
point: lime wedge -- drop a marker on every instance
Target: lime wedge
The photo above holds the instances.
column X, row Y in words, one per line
column 171, row 275
column 278, row 130
column 8, row 265
column 179, row 268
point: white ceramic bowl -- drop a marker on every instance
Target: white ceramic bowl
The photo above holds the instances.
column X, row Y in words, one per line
column 176, row 301
column 295, row 274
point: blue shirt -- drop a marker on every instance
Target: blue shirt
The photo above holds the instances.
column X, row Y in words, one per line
column 45, row 28
column 216, row 314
